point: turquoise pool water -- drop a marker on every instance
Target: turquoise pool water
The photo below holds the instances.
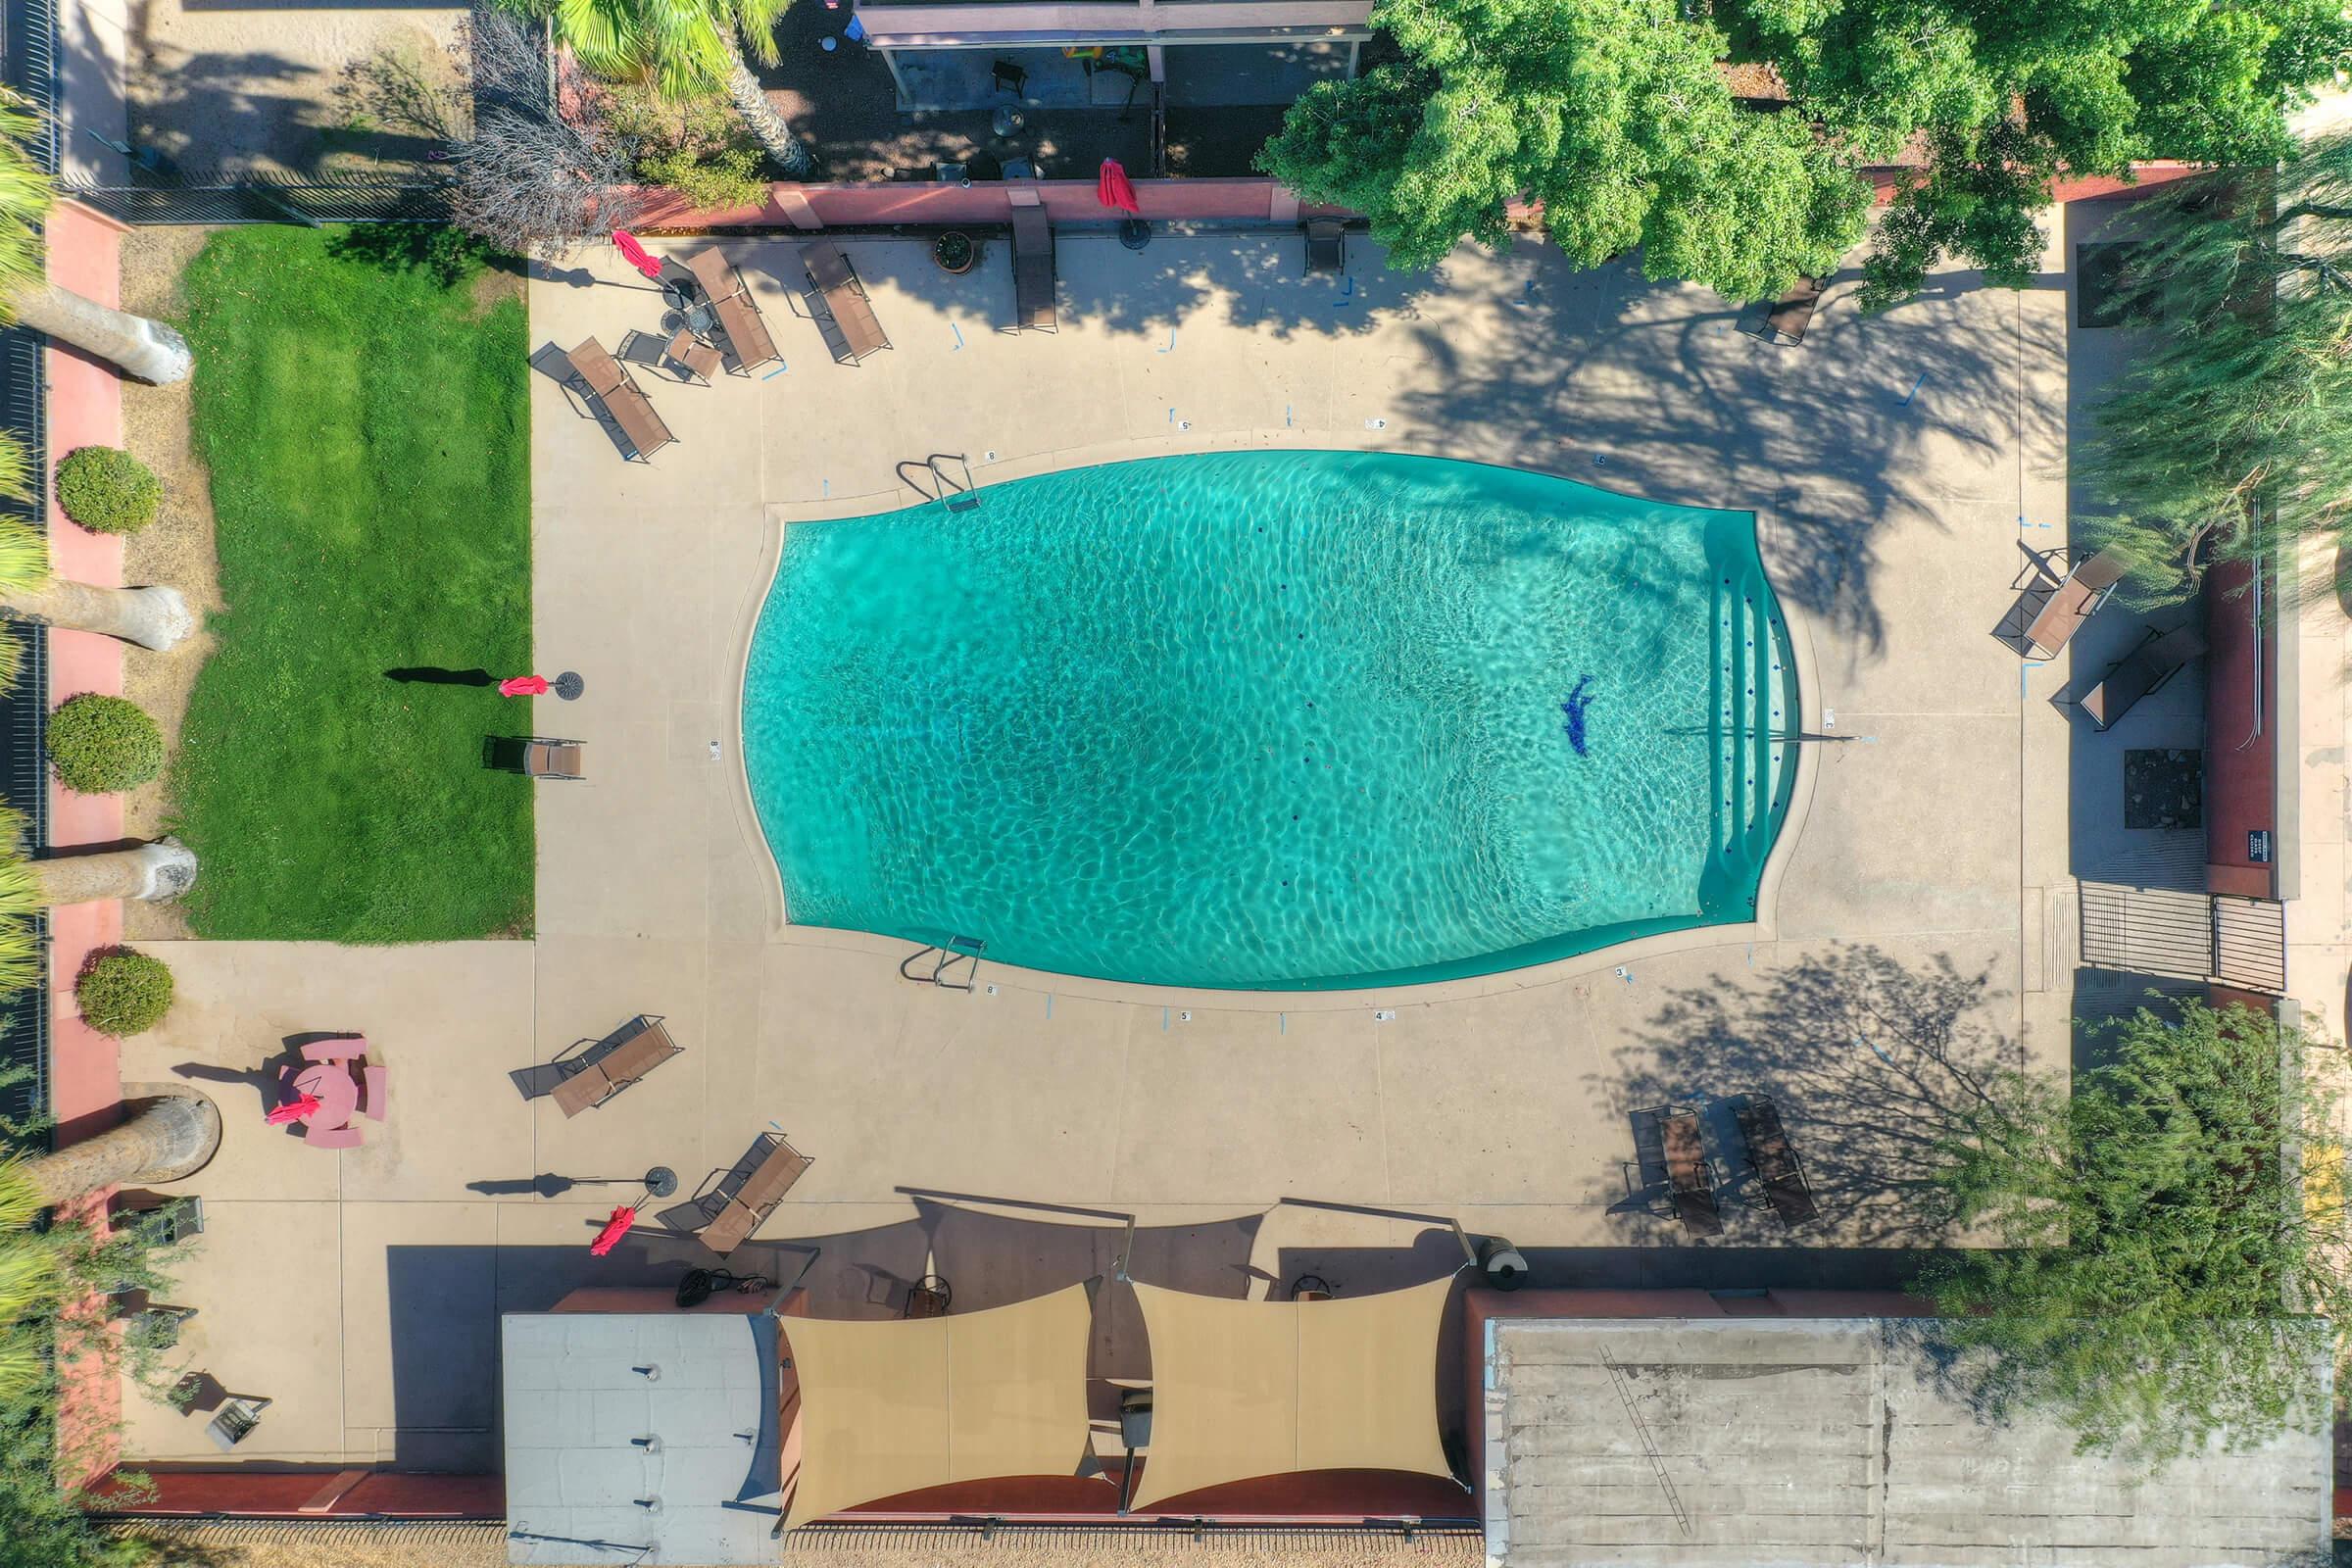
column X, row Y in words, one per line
column 1275, row 720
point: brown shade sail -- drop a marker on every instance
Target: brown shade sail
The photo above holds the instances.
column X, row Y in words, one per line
column 1248, row 1389
column 892, row 1406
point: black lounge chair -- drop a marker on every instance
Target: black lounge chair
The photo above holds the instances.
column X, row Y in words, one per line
column 1326, row 245
column 2141, row 672
column 1773, row 1158
column 1789, row 316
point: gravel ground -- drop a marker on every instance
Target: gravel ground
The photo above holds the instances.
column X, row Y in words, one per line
column 177, row 548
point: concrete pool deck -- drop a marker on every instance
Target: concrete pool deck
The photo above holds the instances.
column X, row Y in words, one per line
column 1919, row 929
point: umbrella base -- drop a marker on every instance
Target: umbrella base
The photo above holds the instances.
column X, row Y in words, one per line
column 1135, row 233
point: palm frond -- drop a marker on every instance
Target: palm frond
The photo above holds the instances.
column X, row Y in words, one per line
column 20, row 1195
column 20, row 958
column 24, row 555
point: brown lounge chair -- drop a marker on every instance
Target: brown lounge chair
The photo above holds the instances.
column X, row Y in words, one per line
column 1789, row 315
column 1033, row 271
column 2158, row 658
column 1326, row 245
column 842, row 298
column 543, row 758
column 746, row 1208
column 1688, row 1176
column 1773, row 1158
column 621, row 398
column 738, row 318
column 2074, row 601
column 647, row 1046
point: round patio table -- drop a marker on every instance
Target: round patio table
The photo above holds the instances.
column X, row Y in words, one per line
column 337, row 1092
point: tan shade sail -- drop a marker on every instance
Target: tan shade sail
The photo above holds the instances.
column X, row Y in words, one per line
column 893, row 1406
column 1247, row 1389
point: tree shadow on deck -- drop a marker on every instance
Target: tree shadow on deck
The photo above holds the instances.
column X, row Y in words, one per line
column 1873, row 1063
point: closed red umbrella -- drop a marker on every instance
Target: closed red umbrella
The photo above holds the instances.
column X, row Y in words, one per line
column 615, row 1229
column 301, row 1107
column 1113, row 189
column 522, row 686
column 636, row 255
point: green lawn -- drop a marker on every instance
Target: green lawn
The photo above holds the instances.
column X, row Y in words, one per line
column 368, row 428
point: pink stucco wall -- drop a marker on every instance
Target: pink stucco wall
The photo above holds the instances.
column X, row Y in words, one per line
column 1065, row 201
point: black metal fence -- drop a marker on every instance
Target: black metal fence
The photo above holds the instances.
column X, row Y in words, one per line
column 401, row 200
column 28, row 65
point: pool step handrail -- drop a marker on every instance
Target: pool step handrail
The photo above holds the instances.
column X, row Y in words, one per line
column 961, row 495
column 956, row 950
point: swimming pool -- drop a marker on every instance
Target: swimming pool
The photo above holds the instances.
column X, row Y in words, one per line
column 1284, row 720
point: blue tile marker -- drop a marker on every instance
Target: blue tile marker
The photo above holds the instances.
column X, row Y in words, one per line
column 958, row 331
column 780, row 369
column 1914, row 392
column 1172, row 342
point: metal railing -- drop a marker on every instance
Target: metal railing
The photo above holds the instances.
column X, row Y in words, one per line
column 404, row 199
column 29, row 66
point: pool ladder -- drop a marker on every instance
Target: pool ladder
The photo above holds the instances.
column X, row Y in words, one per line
column 959, row 495
column 966, row 951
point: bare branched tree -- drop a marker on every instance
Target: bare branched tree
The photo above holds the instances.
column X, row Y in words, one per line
column 546, row 169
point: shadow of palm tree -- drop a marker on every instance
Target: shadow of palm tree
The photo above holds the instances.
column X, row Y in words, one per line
column 1872, row 1062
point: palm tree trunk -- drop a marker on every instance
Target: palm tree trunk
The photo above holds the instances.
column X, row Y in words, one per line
column 144, row 350
column 790, row 153
column 164, row 869
column 152, row 617
column 161, row 1139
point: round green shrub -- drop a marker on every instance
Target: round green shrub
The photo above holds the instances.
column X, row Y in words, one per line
column 122, row 992
column 107, row 490
column 104, row 743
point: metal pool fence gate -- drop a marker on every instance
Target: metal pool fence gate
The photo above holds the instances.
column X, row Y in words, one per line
column 403, row 199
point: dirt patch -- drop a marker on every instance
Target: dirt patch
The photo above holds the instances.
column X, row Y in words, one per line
column 299, row 93
column 175, row 549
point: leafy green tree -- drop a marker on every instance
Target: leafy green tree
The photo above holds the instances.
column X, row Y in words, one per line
column 1612, row 114
column 685, row 48
column 2230, row 426
column 2001, row 95
column 2172, row 1238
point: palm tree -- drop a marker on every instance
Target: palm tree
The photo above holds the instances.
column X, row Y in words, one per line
column 145, row 350
column 163, row 870
column 154, row 616
column 163, row 1136
column 686, row 47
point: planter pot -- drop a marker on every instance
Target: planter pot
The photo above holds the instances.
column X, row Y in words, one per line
column 955, row 251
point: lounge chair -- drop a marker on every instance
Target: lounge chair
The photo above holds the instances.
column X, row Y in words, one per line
column 234, row 1421
column 375, row 1092
column 621, row 398
column 1033, row 271
column 331, row 1137
column 2075, row 600
column 544, row 757
column 746, row 1208
column 647, row 1046
column 843, row 300
column 698, row 359
column 715, row 274
column 1785, row 321
column 1326, row 245
column 1773, row 1158
column 2158, row 658
column 1688, row 1175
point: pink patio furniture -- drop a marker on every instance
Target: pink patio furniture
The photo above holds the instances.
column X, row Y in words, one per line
column 340, row 1048
column 374, row 1091
column 332, row 1137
